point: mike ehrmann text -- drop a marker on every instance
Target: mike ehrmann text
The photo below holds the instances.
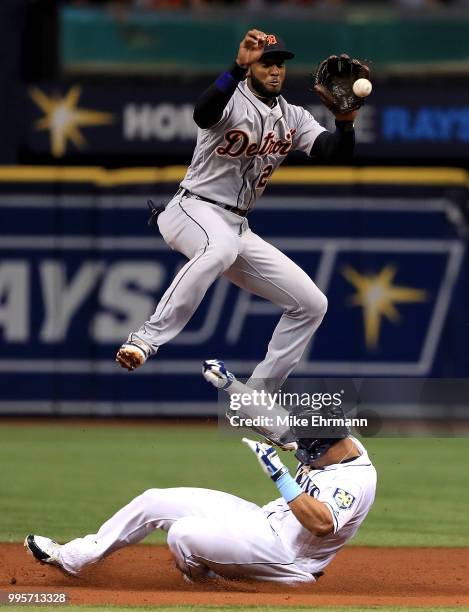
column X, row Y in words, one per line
column 315, row 420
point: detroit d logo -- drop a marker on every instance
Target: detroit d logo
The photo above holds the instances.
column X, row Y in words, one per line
column 343, row 499
column 270, row 39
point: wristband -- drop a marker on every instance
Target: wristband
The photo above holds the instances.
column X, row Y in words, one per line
column 288, row 487
column 238, row 72
column 228, row 81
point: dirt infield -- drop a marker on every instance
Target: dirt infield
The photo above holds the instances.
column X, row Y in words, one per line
column 144, row 575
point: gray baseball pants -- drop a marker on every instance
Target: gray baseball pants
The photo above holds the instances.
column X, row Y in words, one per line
column 218, row 242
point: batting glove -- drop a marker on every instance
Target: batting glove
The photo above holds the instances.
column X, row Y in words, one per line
column 273, row 467
column 215, row 372
column 268, row 458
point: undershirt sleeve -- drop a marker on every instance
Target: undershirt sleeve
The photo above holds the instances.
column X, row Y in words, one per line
column 337, row 146
column 210, row 107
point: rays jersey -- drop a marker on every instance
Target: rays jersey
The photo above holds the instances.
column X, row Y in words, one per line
column 234, row 159
column 348, row 490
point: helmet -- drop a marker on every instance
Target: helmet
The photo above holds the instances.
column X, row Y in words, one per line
column 315, row 439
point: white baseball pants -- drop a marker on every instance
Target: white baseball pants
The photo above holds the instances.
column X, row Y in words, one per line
column 209, row 532
column 218, row 242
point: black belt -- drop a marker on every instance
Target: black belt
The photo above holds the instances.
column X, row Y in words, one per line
column 234, row 209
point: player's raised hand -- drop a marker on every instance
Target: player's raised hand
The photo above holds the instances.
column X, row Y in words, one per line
column 251, row 48
column 267, row 457
column 214, row 371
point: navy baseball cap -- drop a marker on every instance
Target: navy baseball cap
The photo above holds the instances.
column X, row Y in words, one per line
column 274, row 45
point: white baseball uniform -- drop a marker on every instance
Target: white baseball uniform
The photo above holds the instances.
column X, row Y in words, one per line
column 215, row 533
column 231, row 165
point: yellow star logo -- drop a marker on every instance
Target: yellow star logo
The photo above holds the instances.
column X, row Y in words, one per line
column 63, row 118
column 377, row 295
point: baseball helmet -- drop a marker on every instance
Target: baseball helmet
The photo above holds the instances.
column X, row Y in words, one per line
column 315, row 439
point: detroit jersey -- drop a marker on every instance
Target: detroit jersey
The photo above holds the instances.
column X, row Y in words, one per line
column 234, row 159
column 348, row 490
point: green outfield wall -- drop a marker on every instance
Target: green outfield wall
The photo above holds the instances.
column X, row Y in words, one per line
column 96, row 40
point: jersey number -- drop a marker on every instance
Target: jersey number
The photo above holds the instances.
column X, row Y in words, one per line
column 264, row 177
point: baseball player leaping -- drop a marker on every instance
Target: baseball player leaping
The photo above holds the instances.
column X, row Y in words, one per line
column 212, row 533
column 246, row 129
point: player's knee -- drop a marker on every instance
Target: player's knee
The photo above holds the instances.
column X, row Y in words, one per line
column 313, row 304
column 146, row 501
column 150, row 493
column 186, row 535
column 320, row 304
column 186, row 538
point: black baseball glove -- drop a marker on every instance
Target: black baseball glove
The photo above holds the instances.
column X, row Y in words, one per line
column 333, row 82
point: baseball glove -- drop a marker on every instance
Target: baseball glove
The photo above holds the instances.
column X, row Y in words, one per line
column 333, row 82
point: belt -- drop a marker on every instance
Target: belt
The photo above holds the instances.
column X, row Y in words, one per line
column 234, row 209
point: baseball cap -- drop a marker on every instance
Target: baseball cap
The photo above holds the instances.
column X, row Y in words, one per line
column 274, row 45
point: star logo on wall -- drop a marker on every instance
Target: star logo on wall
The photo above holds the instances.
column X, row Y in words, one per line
column 63, row 118
column 377, row 295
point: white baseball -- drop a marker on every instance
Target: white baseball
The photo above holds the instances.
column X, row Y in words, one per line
column 362, row 88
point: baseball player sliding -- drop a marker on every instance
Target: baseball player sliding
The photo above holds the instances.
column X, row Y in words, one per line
column 212, row 533
column 246, row 130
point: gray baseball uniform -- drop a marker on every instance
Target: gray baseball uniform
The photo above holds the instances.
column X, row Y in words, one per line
column 234, row 159
column 232, row 163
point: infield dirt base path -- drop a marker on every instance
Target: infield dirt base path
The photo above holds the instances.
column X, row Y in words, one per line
column 144, row 575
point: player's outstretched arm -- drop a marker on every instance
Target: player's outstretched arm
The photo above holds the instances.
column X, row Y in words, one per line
column 335, row 147
column 334, row 82
column 311, row 513
column 210, row 106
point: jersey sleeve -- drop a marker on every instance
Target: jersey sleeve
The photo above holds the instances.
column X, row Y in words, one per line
column 307, row 130
column 342, row 498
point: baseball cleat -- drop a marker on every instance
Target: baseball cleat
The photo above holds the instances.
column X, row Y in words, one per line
column 133, row 353
column 44, row 550
column 215, row 372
